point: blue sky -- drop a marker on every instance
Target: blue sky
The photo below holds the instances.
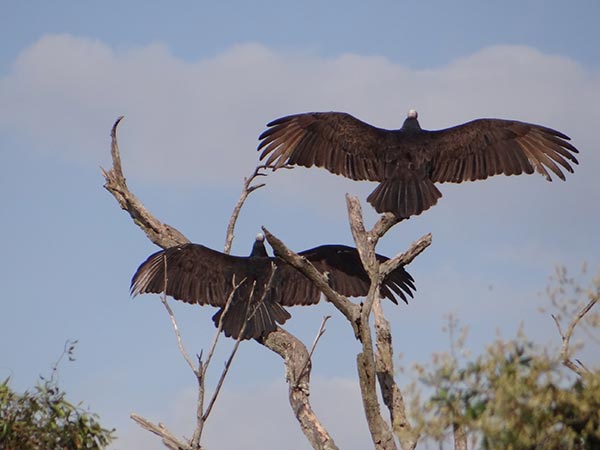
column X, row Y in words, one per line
column 197, row 83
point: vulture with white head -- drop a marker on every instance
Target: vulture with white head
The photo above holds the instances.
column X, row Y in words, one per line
column 409, row 161
column 197, row 274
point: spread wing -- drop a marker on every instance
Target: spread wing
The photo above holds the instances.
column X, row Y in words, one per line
column 346, row 275
column 475, row 150
column 485, row 147
column 196, row 274
column 335, row 141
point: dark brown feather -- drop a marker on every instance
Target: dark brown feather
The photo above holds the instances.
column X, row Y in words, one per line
column 198, row 274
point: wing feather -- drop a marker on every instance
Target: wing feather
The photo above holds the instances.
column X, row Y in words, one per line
column 485, row 147
column 194, row 274
column 336, row 141
column 346, row 275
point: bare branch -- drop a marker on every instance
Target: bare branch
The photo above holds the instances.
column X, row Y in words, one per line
column 164, row 236
column 164, row 301
column 247, row 189
column 187, row 358
column 223, row 375
column 287, row 346
column 390, row 392
column 239, row 339
column 380, row 364
column 294, row 353
column 380, row 432
column 292, row 350
column 315, row 342
column 566, row 336
column 379, row 429
column 364, row 242
column 557, row 322
column 159, row 233
column 403, row 259
column 365, row 361
column 168, row 439
column 235, row 287
column 346, row 307
column 383, row 225
column 203, row 368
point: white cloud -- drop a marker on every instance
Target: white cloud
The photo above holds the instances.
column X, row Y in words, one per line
column 198, row 121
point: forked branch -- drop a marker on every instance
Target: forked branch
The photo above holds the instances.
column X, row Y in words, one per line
column 359, row 317
column 565, row 353
column 247, row 189
column 345, row 306
column 380, row 363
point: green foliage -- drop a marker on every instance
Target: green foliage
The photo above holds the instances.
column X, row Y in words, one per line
column 42, row 419
column 516, row 395
column 513, row 397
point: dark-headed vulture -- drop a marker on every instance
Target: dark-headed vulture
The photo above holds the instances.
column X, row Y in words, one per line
column 407, row 162
column 197, row 274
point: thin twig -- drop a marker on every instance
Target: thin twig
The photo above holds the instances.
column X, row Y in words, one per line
column 345, row 306
column 229, row 360
column 240, row 337
column 247, row 189
column 223, row 375
column 314, row 345
column 566, row 337
column 168, row 439
column 578, row 361
column 164, row 301
column 235, row 287
column 203, row 368
column 556, row 321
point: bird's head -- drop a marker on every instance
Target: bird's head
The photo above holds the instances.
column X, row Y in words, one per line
column 258, row 249
column 411, row 123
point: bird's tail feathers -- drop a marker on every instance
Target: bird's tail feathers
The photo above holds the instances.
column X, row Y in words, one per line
column 260, row 318
column 404, row 197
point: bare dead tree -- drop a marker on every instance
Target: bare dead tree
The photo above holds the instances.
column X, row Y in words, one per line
column 292, row 350
column 368, row 360
column 375, row 360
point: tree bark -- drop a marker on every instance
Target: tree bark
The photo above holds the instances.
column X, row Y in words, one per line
column 298, row 368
